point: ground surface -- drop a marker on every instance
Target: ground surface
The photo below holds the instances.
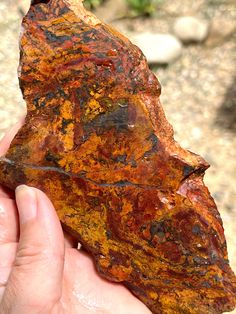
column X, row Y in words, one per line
column 198, row 92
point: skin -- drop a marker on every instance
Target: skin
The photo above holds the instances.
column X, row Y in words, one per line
column 41, row 269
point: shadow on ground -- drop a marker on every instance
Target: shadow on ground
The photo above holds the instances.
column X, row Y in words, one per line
column 226, row 115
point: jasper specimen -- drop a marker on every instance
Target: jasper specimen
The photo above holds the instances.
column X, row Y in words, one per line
column 97, row 142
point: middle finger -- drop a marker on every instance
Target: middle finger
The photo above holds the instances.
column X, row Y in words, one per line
column 9, row 225
column 8, row 255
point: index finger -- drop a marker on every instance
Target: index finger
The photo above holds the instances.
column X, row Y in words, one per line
column 4, row 145
column 6, row 141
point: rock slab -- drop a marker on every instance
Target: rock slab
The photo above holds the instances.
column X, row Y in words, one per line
column 97, row 142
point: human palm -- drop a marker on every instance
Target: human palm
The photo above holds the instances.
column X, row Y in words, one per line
column 41, row 269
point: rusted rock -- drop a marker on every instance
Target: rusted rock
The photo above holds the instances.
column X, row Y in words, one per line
column 97, row 142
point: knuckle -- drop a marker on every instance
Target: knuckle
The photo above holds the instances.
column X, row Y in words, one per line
column 28, row 254
column 31, row 254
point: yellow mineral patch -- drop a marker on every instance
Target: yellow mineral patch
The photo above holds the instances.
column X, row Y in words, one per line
column 93, row 109
column 68, row 138
column 153, row 295
column 66, row 110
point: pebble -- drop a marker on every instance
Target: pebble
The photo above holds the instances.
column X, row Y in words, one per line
column 158, row 48
column 220, row 30
column 191, row 29
column 196, row 133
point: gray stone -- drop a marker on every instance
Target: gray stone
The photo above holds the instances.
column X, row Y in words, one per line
column 158, row 48
column 191, row 29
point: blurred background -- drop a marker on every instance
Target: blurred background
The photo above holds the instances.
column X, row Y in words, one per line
column 191, row 47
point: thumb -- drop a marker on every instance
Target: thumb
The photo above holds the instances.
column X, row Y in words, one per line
column 35, row 282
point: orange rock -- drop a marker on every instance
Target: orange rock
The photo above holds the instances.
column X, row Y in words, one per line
column 97, row 142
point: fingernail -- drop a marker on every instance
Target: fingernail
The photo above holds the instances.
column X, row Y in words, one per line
column 26, row 200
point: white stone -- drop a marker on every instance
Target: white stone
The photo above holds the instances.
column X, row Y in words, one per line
column 25, row 5
column 158, row 48
column 191, row 29
column 196, row 133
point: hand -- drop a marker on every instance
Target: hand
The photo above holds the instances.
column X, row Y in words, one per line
column 41, row 271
